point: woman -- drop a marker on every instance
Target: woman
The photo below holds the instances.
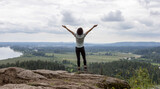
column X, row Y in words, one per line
column 79, row 45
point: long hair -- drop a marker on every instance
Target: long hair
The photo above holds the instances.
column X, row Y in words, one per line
column 80, row 31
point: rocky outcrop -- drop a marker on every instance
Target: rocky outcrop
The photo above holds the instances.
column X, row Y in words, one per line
column 18, row 78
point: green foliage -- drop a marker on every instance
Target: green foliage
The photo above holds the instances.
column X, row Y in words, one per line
column 152, row 54
column 36, row 65
column 125, row 69
column 38, row 53
column 69, row 66
column 140, row 79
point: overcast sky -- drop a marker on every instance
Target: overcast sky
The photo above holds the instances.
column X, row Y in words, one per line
column 41, row 20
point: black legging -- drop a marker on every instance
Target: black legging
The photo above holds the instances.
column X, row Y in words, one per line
column 82, row 51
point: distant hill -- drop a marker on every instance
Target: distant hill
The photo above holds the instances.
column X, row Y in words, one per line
column 134, row 44
column 72, row 44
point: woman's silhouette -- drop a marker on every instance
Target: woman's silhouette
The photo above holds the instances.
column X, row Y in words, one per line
column 79, row 45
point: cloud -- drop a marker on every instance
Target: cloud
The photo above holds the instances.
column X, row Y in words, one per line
column 143, row 34
column 113, row 16
column 150, row 3
column 69, row 19
column 134, row 18
column 31, row 16
column 156, row 13
column 1, row 23
column 144, row 2
column 140, row 29
column 147, row 22
column 50, row 27
column 126, row 25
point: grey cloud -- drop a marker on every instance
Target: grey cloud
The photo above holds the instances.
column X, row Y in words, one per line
column 126, row 26
column 147, row 1
column 1, row 23
column 37, row 19
column 155, row 13
column 68, row 18
column 34, row 2
column 3, row 2
column 123, row 26
column 29, row 31
column 146, row 22
column 144, row 2
column 106, row 0
column 144, row 34
column 150, row 3
column 8, row 27
column 52, row 21
column 17, row 29
column 113, row 16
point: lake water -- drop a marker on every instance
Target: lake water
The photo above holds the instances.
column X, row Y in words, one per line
column 7, row 52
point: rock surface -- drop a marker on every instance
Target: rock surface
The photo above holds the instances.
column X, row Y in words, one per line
column 18, row 78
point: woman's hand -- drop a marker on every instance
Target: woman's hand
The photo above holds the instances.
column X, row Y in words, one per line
column 95, row 25
column 64, row 26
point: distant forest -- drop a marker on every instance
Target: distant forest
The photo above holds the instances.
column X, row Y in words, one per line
column 33, row 65
column 72, row 49
column 152, row 54
column 125, row 69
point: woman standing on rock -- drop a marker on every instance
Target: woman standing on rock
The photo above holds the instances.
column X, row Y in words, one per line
column 79, row 45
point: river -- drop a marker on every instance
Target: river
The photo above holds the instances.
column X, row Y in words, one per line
column 7, row 52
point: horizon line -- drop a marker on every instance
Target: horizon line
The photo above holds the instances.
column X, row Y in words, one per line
column 75, row 42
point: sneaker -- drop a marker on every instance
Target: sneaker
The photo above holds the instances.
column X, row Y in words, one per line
column 85, row 68
column 78, row 70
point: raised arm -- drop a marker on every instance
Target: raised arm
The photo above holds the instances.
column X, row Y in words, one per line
column 68, row 30
column 91, row 29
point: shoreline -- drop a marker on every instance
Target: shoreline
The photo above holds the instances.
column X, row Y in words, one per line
column 7, row 53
